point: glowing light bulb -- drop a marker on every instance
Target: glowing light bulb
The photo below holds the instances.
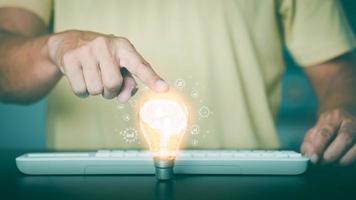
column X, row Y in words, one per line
column 163, row 123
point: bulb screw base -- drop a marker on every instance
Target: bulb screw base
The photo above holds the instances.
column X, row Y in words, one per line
column 164, row 169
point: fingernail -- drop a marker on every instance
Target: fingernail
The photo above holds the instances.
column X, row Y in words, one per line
column 122, row 98
column 133, row 92
column 314, row 158
column 161, row 86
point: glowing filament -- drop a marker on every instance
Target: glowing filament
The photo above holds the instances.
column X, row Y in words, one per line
column 163, row 123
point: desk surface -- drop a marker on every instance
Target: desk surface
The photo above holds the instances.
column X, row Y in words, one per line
column 317, row 183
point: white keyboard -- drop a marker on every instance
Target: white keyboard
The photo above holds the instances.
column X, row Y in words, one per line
column 140, row 162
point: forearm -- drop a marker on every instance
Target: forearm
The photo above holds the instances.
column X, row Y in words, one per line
column 340, row 92
column 26, row 72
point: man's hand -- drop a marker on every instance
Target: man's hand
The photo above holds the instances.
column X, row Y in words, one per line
column 101, row 64
column 32, row 61
column 332, row 139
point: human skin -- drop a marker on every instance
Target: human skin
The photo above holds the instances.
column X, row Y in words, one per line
column 332, row 138
column 32, row 62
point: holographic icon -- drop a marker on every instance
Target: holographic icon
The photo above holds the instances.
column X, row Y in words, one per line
column 194, row 93
column 180, row 83
column 129, row 135
column 126, row 117
column 120, row 106
column 195, row 129
column 195, row 142
column 204, row 112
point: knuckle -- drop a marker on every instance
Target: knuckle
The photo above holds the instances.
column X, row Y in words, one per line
column 349, row 121
column 327, row 157
column 122, row 41
column 100, row 40
column 68, row 57
column 325, row 132
column 140, row 69
column 338, row 113
column 346, row 137
column 113, row 85
column 84, row 49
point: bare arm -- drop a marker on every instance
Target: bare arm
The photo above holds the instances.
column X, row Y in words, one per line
column 31, row 61
column 333, row 137
column 26, row 73
column 334, row 83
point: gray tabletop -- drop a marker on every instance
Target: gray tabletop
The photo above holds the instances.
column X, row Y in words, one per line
column 318, row 183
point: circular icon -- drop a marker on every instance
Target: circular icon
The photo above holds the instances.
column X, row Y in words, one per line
column 195, row 129
column 180, row 83
column 204, row 112
column 129, row 135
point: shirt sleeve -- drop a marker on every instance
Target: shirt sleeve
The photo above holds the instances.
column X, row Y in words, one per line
column 315, row 31
column 42, row 8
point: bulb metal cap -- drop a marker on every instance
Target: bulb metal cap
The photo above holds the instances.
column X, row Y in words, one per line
column 164, row 169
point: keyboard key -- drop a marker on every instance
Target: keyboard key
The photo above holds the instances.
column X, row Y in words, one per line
column 117, row 154
column 240, row 155
column 184, row 155
column 198, row 155
column 71, row 154
column 38, row 155
column 268, row 155
column 281, row 155
column 144, row 154
column 226, row 154
column 130, row 154
column 295, row 155
column 212, row 154
column 255, row 154
column 103, row 153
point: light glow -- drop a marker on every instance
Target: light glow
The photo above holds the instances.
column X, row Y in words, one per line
column 163, row 122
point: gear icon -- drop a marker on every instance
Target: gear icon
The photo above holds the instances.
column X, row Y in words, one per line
column 129, row 135
column 204, row 112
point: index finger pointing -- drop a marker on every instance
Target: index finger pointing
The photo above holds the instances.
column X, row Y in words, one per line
column 136, row 64
column 145, row 73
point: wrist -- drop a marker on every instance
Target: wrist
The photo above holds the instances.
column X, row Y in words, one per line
column 349, row 108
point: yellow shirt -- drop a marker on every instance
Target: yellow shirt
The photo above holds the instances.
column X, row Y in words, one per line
column 224, row 57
